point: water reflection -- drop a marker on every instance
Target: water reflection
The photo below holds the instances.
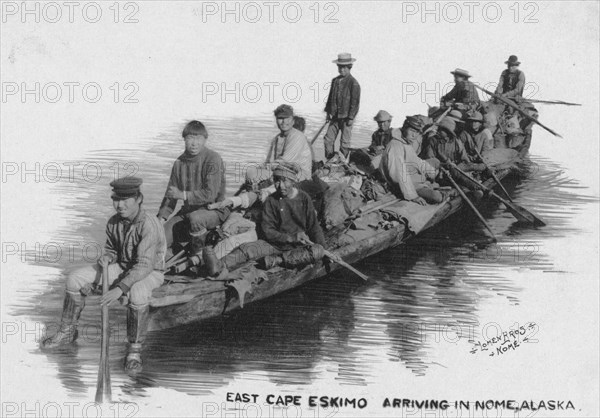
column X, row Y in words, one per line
column 334, row 326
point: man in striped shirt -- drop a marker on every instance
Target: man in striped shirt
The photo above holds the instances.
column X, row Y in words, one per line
column 134, row 255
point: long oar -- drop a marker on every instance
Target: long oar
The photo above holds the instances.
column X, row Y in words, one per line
column 319, row 133
column 493, row 175
column 558, row 102
column 519, row 212
column 471, row 205
column 517, row 108
column 336, row 258
column 103, row 391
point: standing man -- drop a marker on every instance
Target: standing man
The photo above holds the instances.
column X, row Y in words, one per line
column 197, row 179
column 342, row 106
column 512, row 80
column 464, row 94
column 134, row 255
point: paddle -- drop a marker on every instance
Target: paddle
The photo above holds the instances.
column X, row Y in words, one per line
column 519, row 212
column 103, row 391
column 319, row 133
column 493, row 174
column 471, row 205
column 559, row 102
column 517, row 108
column 337, row 259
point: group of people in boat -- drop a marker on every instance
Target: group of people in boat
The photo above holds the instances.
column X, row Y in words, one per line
column 274, row 218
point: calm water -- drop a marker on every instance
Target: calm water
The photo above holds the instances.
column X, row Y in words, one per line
column 339, row 327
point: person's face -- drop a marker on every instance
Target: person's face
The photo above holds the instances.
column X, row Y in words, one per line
column 283, row 185
column 344, row 70
column 127, row 208
column 443, row 134
column 384, row 125
column 194, row 144
column 476, row 125
column 457, row 78
column 512, row 68
column 412, row 135
column 285, row 123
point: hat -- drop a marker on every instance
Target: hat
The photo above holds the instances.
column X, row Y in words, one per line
column 476, row 116
column 287, row 170
column 381, row 116
column 126, row 187
column 456, row 116
column 284, row 111
column 344, row 58
column 413, row 122
column 512, row 60
column 461, row 72
column 448, row 125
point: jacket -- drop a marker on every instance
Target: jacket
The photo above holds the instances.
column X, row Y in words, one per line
column 344, row 98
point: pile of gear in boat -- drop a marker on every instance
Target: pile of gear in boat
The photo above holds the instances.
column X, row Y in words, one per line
column 291, row 210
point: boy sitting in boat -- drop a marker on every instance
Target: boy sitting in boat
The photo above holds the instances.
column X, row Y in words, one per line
column 288, row 221
column 134, row 256
column 197, row 179
column 476, row 139
column 404, row 171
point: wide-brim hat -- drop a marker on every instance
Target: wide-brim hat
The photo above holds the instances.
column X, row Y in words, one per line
column 512, row 60
column 461, row 72
column 456, row 116
column 448, row 125
column 476, row 116
column 126, row 187
column 381, row 116
column 344, row 58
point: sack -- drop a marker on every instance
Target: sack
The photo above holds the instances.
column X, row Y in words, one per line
column 373, row 190
column 341, row 201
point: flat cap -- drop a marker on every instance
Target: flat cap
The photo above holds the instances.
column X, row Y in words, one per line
column 381, row 116
column 126, row 187
column 284, row 111
column 287, row 170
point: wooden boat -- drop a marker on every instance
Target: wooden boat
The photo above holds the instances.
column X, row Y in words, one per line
column 187, row 300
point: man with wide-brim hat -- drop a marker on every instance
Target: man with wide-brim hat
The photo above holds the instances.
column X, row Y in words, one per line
column 512, row 80
column 342, row 106
column 463, row 95
column 476, row 138
column 134, row 258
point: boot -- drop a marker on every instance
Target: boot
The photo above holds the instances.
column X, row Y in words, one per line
column 67, row 333
column 211, row 262
column 197, row 241
column 137, row 328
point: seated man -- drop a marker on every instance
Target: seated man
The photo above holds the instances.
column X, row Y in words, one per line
column 290, row 146
column 463, row 95
column 476, row 138
column 288, row 221
column 404, row 171
column 444, row 146
column 198, row 179
column 134, row 255
column 382, row 136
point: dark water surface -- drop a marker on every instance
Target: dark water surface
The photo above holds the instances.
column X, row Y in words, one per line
column 337, row 326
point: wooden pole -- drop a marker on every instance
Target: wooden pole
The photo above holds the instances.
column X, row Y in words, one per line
column 103, row 390
column 493, row 175
column 319, row 133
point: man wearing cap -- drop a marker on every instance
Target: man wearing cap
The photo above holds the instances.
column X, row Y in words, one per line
column 342, row 106
column 404, row 171
column 475, row 137
column 512, row 80
column 463, row 92
column 446, row 147
column 288, row 221
column 198, row 180
column 382, row 136
column 289, row 146
column 134, row 253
